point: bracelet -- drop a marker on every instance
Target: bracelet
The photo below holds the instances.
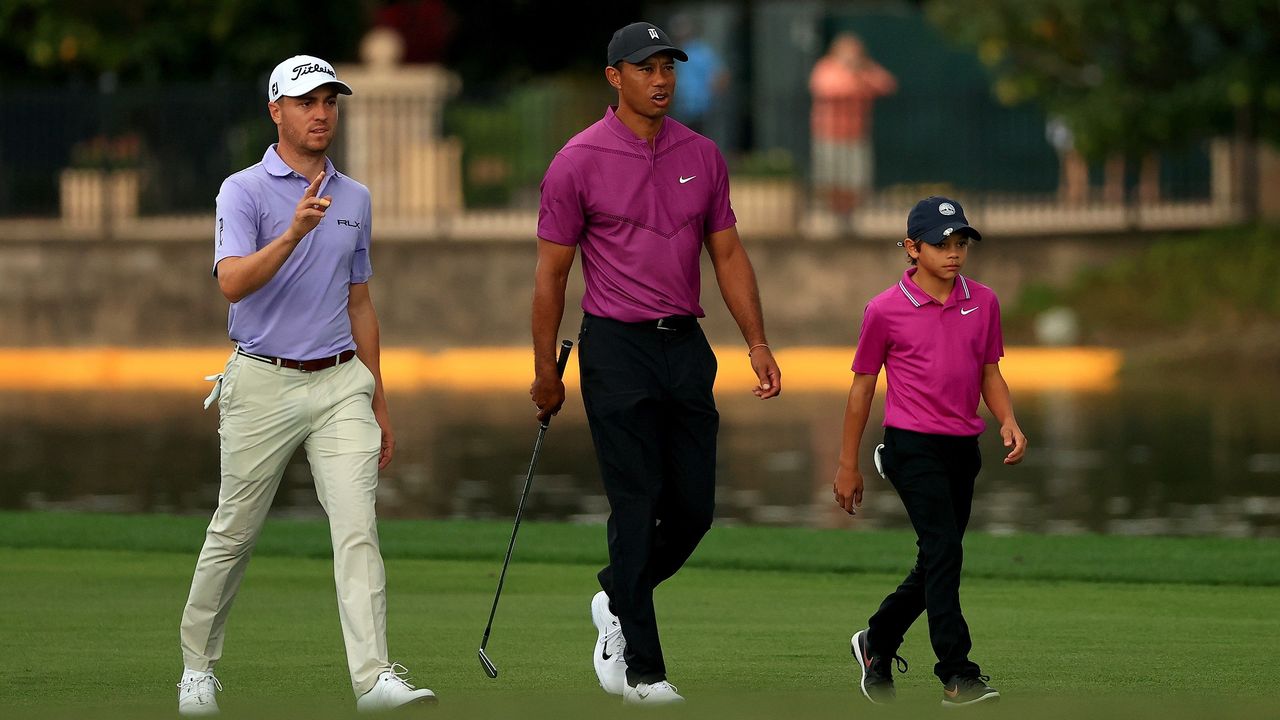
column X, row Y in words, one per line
column 753, row 347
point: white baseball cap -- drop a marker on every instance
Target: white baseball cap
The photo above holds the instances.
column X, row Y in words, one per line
column 300, row 75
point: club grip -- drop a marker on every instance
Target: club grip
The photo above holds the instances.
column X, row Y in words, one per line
column 566, row 346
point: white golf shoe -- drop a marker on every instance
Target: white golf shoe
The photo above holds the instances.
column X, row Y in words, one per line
column 607, row 655
column 659, row 693
column 392, row 691
column 196, row 693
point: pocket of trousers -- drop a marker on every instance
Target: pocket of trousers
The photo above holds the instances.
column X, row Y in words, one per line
column 227, row 381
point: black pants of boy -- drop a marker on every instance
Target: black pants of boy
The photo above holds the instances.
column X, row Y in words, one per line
column 934, row 476
column 647, row 393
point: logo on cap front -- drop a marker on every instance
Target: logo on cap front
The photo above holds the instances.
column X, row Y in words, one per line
column 308, row 68
column 653, row 34
column 947, row 209
column 947, row 232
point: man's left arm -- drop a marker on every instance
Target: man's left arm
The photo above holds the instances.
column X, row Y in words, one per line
column 737, row 280
column 364, row 329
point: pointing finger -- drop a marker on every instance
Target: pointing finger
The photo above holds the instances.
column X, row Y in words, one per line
column 314, row 187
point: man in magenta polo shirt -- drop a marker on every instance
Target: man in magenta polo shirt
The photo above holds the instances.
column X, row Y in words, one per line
column 642, row 195
column 937, row 335
column 291, row 254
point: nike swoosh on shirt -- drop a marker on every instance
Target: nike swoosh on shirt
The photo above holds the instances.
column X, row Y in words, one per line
column 684, row 179
column 966, row 312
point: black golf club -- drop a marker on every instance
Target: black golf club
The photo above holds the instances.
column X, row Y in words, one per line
column 489, row 668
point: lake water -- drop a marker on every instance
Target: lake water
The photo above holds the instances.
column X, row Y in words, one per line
column 1165, row 455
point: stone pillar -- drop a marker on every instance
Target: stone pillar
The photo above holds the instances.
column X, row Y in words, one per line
column 392, row 135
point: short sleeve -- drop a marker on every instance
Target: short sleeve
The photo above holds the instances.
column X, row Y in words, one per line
column 873, row 342
column 995, row 336
column 361, row 265
column 236, row 232
column 560, row 216
column 720, row 213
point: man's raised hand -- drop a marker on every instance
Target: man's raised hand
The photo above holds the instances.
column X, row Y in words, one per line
column 310, row 209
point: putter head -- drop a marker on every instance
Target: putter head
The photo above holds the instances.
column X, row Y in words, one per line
column 489, row 668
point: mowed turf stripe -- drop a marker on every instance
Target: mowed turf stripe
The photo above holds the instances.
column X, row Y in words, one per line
column 94, row 633
column 1202, row 561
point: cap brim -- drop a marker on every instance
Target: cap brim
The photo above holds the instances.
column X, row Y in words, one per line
column 939, row 234
column 645, row 53
column 304, row 88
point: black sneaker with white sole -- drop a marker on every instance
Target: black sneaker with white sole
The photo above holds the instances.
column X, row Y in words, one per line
column 968, row 690
column 877, row 671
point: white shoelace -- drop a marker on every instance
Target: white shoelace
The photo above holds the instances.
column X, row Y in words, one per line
column 401, row 674
column 195, row 681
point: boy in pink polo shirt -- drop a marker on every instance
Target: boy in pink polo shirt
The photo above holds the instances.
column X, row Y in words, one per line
column 937, row 335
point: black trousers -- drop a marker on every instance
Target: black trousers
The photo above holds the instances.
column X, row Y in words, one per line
column 934, row 476
column 647, row 393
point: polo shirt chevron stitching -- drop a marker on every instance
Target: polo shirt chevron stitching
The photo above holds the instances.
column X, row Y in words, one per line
column 640, row 229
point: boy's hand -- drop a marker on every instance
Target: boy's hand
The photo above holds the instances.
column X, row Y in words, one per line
column 848, row 489
column 1013, row 438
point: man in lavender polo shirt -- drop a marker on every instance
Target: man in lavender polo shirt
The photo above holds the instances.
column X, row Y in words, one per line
column 291, row 254
column 642, row 195
column 937, row 335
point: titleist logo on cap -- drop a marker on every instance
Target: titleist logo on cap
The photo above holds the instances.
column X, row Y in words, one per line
column 308, row 68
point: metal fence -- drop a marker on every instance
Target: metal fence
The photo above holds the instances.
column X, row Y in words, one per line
column 81, row 161
column 178, row 140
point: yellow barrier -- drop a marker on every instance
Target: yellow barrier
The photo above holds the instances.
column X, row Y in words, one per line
column 805, row 369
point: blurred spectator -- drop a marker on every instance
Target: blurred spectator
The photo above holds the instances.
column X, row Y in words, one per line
column 703, row 79
column 844, row 83
column 1073, row 173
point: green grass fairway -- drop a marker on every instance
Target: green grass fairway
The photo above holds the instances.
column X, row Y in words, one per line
column 756, row 627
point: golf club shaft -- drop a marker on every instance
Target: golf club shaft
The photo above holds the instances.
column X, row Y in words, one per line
column 561, row 362
column 528, row 481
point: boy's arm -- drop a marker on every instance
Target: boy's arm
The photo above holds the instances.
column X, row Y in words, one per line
column 848, row 482
column 995, row 392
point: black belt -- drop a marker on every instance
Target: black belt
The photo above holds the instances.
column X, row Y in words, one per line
column 671, row 323
column 323, row 363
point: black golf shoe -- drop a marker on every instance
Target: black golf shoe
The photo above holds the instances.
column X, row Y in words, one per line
column 877, row 671
column 968, row 691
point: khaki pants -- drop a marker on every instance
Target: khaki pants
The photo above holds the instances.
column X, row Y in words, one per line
column 266, row 412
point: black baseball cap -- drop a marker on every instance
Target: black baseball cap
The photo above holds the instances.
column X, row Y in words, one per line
column 935, row 218
column 638, row 41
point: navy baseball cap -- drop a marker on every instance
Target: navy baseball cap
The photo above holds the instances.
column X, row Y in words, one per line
column 638, row 41
column 935, row 218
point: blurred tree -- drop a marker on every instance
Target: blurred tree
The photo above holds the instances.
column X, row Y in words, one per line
column 503, row 43
column 59, row 40
column 1131, row 77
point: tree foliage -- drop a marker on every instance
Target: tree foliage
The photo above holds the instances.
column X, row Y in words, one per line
column 1132, row 76
column 53, row 40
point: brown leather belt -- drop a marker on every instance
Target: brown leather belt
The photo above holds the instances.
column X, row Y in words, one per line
column 323, row 363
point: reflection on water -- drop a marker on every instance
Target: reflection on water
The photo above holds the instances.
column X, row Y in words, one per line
column 1140, row 460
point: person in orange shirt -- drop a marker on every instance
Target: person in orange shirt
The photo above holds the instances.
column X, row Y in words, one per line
column 844, row 83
